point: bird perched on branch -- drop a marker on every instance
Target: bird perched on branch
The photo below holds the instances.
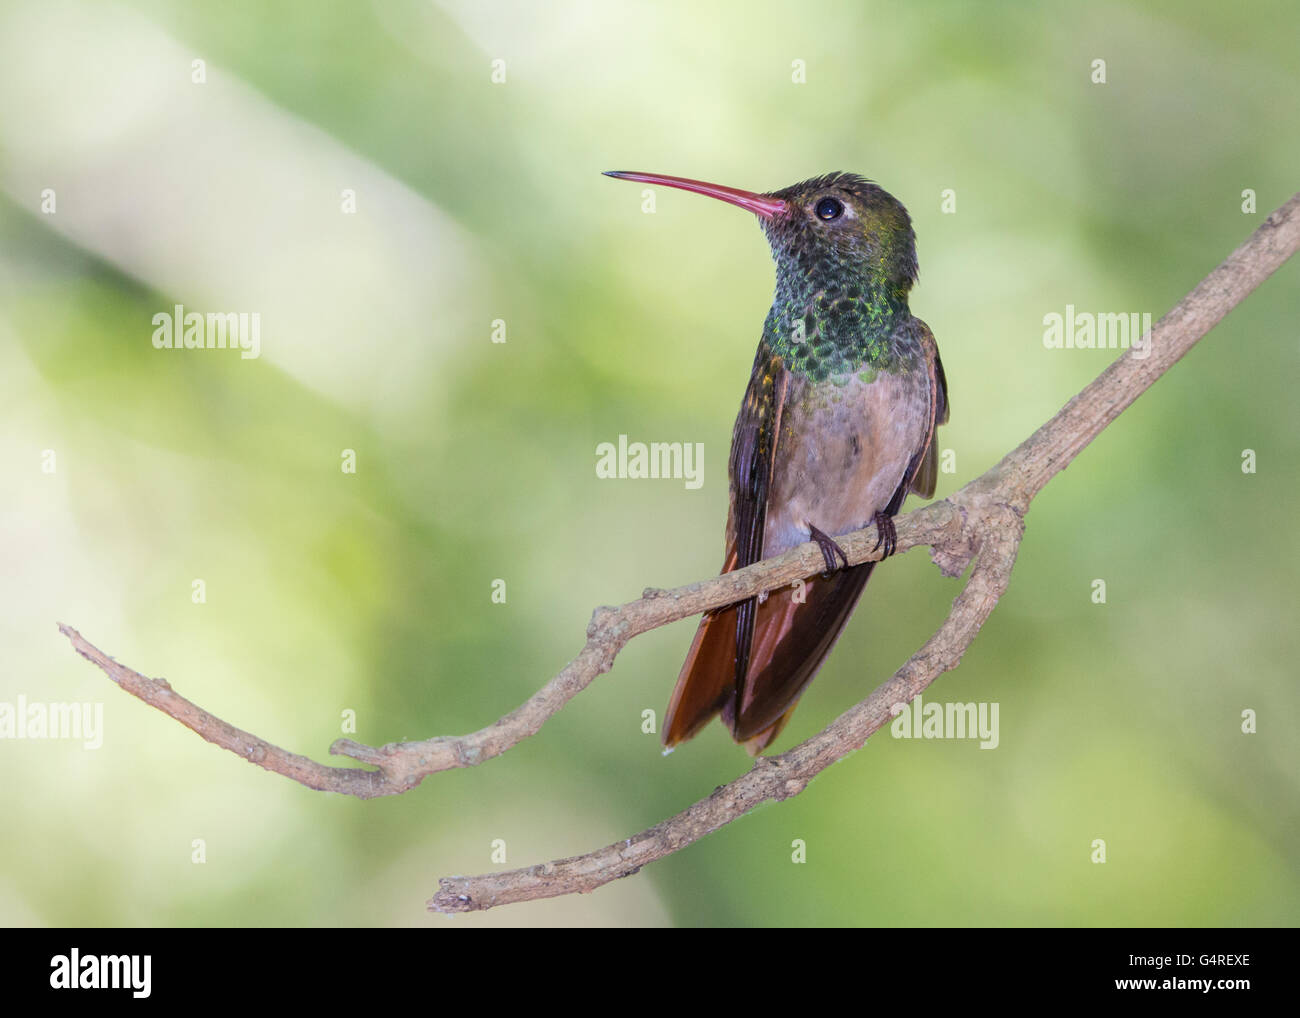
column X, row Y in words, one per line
column 836, row 427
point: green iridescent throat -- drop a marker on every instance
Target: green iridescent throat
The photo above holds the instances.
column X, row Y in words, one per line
column 838, row 330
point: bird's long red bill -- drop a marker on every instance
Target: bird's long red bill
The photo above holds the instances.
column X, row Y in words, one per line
column 760, row 204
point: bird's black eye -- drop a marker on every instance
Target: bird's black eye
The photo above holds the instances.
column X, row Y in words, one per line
column 829, row 208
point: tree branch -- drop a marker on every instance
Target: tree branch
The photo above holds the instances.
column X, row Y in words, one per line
column 982, row 522
column 776, row 777
column 403, row 765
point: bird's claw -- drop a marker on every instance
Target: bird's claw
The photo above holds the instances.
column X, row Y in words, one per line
column 886, row 534
column 829, row 549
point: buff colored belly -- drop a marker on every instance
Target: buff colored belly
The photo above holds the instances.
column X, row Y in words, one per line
column 842, row 454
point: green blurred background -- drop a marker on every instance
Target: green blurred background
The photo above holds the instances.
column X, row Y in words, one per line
column 479, row 201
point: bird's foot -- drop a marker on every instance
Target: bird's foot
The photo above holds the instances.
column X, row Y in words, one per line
column 828, row 548
column 887, row 535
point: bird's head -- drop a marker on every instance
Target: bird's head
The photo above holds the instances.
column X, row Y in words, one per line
column 828, row 230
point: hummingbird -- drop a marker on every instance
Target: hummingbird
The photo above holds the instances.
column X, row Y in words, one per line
column 836, row 427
